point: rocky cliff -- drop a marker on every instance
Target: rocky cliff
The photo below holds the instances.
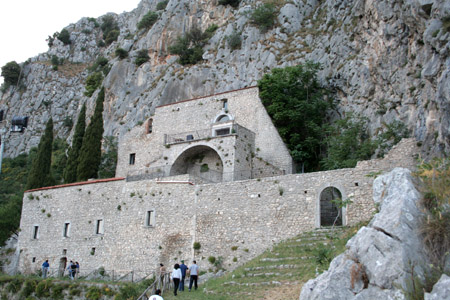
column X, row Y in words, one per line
column 388, row 60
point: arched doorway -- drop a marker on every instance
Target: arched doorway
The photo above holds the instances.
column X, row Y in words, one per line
column 200, row 161
column 62, row 266
column 329, row 213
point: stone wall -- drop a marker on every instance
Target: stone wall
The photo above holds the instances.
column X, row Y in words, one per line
column 249, row 214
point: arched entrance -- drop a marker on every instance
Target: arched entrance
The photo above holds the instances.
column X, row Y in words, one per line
column 329, row 212
column 62, row 266
column 200, row 161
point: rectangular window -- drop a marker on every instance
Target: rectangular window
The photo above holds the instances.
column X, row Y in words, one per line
column 150, row 218
column 99, row 229
column 66, row 230
column 225, row 104
column 223, row 131
column 36, row 232
column 1, row 115
column 132, row 158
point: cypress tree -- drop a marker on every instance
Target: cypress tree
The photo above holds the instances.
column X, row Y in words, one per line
column 91, row 150
column 39, row 175
column 70, row 172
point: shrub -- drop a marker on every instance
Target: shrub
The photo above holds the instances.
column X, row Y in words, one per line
column 128, row 291
column 43, row 288
column 212, row 260
column 234, row 40
column 209, row 32
column 93, row 82
column 68, row 122
column 110, row 29
column 162, row 5
column 196, row 246
column 29, row 287
column 101, row 64
column 64, row 36
column 11, row 73
column 121, row 53
column 323, row 255
column 142, row 57
column 93, row 293
column 264, row 16
column 147, row 20
column 233, row 3
column 190, row 46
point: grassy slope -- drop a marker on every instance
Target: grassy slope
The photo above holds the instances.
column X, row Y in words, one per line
column 278, row 273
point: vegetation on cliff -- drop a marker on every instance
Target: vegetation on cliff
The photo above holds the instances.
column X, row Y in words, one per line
column 70, row 172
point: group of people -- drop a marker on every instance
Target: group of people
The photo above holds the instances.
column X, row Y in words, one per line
column 179, row 273
column 74, row 269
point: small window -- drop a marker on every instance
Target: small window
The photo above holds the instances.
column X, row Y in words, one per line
column 132, row 158
column 225, row 104
column 99, row 229
column 223, row 131
column 36, row 232
column 34, row 259
column 150, row 218
column 92, row 251
column 64, row 252
column 66, row 230
column 1, row 115
column 150, row 126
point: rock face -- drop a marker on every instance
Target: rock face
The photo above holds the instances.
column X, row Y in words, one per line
column 441, row 290
column 380, row 258
column 388, row 61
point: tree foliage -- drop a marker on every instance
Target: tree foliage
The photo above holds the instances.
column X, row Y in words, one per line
column 297, row 105
column 264, row 16
column 70, row 172
column 121, row 53
column 110, row 29
column 40, row 175
column 190, row 46
column 90, row 153
column 109, row 158
column 347, row 141
column 142, row 57
column 93, row 82
column 162, row 5
column 64, row 36
column 11, row 73
column 147, row 20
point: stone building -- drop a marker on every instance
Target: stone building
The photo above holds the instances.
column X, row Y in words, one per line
column 211, row 170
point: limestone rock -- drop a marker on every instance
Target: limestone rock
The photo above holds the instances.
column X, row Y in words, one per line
column 383, row 252
column 441, row 290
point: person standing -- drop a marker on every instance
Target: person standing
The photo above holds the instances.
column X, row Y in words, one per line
column 45, row 267
column 156, row 296
column 183, row 269
column 176, row 276
column 193, row 270
column 77, row 272
column 69, row 268
column 162, row 273
column 73, row 268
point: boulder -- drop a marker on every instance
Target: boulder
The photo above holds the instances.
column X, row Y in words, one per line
column 383, row 257
column 441, row 290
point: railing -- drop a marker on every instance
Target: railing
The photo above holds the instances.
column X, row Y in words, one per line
column 189, row 136
column 100, row 273
column 162, row 282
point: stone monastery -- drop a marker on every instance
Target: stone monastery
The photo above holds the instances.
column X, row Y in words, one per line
column 211, row 171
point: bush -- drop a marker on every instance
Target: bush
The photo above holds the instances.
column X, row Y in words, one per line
column 142, row 57
column 233, row 3
column 234, row 40
column 43, row 288
column 128, row 291
column 190, row 46
column 121, row 53
column 162, row 5
column 110, row 29
column 93, row 82
column 196, row 246
column 11, row 73
column 264, row 16
column 147, row 20
column 209, row 32
column 100, row 65
column 212, row 260
column 93, row 293
column 64, row 36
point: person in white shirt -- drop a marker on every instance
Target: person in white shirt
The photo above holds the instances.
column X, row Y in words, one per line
column 176, row 277
column 156, row 296
column 193, row 270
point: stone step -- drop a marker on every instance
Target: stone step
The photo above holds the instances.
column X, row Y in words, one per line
column 274, row 282
column 279, row 267
column 274, row 259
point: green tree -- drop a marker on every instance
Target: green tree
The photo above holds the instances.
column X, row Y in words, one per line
column 347, row 141
column 64, row 36
column 297, row 105
column 90, row 153
column 162, row 5
column 109, row 158
column 59, row 159
column 70, row 172
column 264, row 16
column 93, row 82
column 121, row 53
column 40, row 175
column 110, row 29
column 190, row 46
column 148, row 20
column 11, row 73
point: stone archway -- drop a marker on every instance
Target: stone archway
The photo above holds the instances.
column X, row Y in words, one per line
column 200, row 161
column 329, row 212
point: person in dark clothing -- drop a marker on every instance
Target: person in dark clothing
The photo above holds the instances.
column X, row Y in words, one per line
column 45, row 267
column 183, row 269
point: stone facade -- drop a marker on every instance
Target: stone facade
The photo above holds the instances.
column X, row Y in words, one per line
column 205, row 190
column 233, row 126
